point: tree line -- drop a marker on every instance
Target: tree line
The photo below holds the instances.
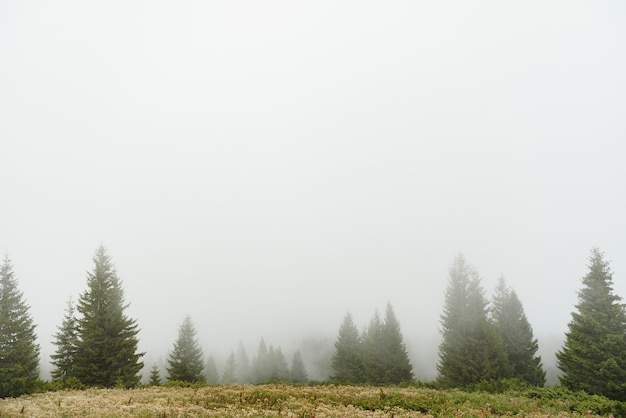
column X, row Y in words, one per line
column 482, row 341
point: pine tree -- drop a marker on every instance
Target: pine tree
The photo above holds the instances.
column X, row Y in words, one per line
column 229, row 377
column 66, row 341
column 19, row 352
column 517, row 336
column 243, row 364
column 210, row 371
column 185, row 361
column 155, row 376
column 347, row 360
column 397, row 367
column 592, row 358
column 471, row 350
column 279, row 370
column 261, row 366
column 298, row 371
column 106, row 350
column 374, row 351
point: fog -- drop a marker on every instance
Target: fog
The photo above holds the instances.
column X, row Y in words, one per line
column 266, row 167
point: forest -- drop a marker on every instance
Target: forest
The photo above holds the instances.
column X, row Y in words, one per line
column 487, row 343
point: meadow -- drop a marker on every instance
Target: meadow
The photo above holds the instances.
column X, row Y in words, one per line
column 278, row 400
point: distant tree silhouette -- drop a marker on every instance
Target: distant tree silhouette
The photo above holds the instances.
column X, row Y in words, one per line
column 185, row 360
column 517, row 336
column 279, row 370
column 397, row 367
column 229, row 376
column 243, row 364
column 374, row 351
column 106, row 349
column 210, row 371
column 298, row 371
column 19, row 351
column 261, row 366
column 593, row 357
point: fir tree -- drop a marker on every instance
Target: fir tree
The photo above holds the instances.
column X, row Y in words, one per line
column 279, row 370
column 517, row 336
column 592, row 358
column 298, row 371
column 261, row 366
column 243, row 364
column 106, row 350
column 19, row 352
column 397, row 367
column 347, row 360
column 155, row 376
column 66, row 341
column 374, row 351
column 471, row 350
column 229, row 377
column 210, row 371
column 185, row 361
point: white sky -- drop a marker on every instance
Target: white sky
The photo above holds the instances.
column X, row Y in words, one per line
column 267, row 166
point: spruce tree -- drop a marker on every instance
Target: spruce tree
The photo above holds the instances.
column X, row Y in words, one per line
column 19, row 351
column 517, row 336
column 66, row 341
column 347, row 360
column 279, row 370
column 210, row 372
column 471, row 350
column 155, row 376
column 373, row 351
column 397, row 367
column 593, row 358
column 229, row 377
column 261, row 366
column 298, row 371
column 243, row 364
column 185, row 361
column 106, row 350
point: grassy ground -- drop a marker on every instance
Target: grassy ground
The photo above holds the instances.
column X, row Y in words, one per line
column 304, row 402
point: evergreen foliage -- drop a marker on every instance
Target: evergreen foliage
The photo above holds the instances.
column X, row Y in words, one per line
column 210, row 371
column 106, row 350
column 593, row 358
column 19, row 351
column 229, row 377
column 298, row 371
column 471, row 350
column 374, row 361
column 185, row 361
column 261, row 366
column 66, row 341
column 397, row 367
column 347, row 361
column 155, row 376
column 279, row 370
column 517, row 336
column 243, row 364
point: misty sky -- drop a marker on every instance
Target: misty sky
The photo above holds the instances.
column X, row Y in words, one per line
column 267, row 166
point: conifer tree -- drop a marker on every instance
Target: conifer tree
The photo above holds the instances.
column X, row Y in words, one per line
column 229, row 377
column 347, row 360
column 517, row 336
column 471, row 350
column 185, row 360
column 593, row 357
column 243, row 364
column 66, row 341
column 279, row 370
column 19, row 351
column 397, row 367
column 298, row 371
column 106, row 350
column 155, row 376
column 261, row 366
column 210, row 371
column 374, row 351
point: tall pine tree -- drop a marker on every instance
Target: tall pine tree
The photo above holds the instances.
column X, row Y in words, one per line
column 347, row 361
column 517, row 336
column 186, row 359
column 19, row 351
column 66, row 340
column 106, row 351
column 471, row 350
column 397, row 367
column 593, row 357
